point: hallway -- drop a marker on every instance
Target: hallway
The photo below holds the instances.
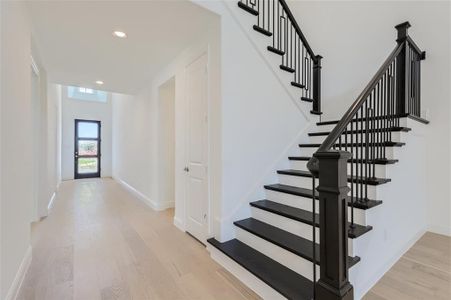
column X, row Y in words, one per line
column 99, row 242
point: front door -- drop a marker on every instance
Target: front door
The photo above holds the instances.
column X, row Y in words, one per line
column 197, row 146
column 87, row 149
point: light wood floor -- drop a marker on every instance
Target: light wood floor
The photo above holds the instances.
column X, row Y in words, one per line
column 99, row 242
column 424, row 272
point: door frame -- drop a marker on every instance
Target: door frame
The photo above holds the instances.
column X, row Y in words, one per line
column 203, row 50
column 37, row 146
column 99, row 149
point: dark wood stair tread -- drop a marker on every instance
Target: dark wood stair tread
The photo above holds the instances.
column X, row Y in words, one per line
column 298, row 85
column 286, row 240
column 419, row 119
column 382, row 161
column 247, row 8
column 392, row 129
column 370, row 181
column 275, row 50
column 318, row 113
column 307, row 193
column 303, row 216
column 286, row 68
column 262, row 30
column 282, row 279
column 386, row 144
column 306, row 99
column 331, row 122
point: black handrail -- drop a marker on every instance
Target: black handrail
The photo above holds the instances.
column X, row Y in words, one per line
column 298, row 30
column 275, row 20
column 357, row 143
column 335, row 134
column 405, row 44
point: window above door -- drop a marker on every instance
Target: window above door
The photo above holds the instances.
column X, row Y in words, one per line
column 86, row 94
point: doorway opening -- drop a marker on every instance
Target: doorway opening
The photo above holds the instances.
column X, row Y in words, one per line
column 166, row 142
column 87, row 149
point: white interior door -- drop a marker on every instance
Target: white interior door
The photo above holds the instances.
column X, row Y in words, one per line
column 197, row 145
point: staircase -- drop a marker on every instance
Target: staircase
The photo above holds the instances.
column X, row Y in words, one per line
column 292, row 235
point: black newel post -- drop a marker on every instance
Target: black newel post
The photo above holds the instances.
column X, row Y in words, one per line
column 401, row 62
column 317, row 84
column 333, row 215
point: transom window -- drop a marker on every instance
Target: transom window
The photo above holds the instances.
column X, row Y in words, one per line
column 86, row 94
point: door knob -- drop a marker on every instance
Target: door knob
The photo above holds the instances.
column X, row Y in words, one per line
column 186, row 169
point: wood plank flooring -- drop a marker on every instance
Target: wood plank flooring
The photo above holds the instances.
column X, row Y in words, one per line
column 99, row 242
column 424, row 272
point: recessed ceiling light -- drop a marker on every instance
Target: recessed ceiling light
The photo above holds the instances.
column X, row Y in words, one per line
column 120, row 34
column 99, row 82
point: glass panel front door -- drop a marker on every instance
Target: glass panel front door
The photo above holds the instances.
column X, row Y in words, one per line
column 87, row 149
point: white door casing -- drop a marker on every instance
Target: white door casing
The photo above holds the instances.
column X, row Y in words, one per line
column 197, row 147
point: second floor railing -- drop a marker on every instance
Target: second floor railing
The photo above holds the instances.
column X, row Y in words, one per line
column 275, row 20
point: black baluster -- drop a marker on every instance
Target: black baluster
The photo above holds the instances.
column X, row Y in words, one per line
column 355, row 149
column 361, row 153
column 352, row 175
column 269, row 15
column 367, row 128
column 373, row 134
column 273, row 23
column 384, row 115
column 314, row 231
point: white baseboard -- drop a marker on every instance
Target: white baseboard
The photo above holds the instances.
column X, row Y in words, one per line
column 387, row 266
column 440, row 230
column 165, row 205
column 143, row 198
column 179, row 224
column 20, row 275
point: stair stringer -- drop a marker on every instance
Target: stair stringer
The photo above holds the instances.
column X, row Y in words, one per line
column 243, row 209
column 260, row 42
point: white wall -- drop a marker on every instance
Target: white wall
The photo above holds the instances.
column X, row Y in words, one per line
column 132, row 143
column 16, row 142
column 355, row 38
column 256, row 119
column 45, row 114
column 166, row 141
column 54, row 103
column 140, row 119
column 87, row 110
column 261, row 115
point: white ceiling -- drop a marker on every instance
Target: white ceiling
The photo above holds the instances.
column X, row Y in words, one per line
column 76, row 46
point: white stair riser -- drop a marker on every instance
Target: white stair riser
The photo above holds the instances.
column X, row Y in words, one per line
column 395, row 136
column 299, row 165
column 306, row 203
column 306, row 182
column 324, row 128
column 380, row 170
column 284, row 223
column 290, row 260
column 389, row 151
column 292, row 226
